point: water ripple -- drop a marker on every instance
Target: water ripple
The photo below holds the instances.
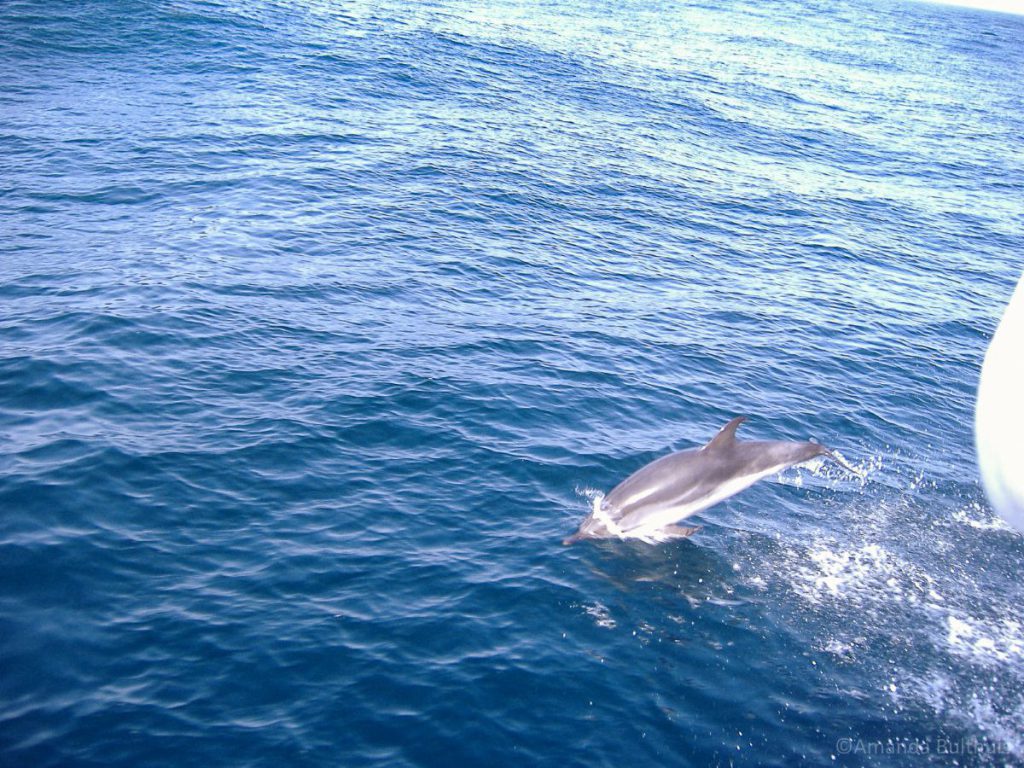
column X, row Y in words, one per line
column 324, row 324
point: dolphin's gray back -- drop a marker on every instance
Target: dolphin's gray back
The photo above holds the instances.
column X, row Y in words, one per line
column 765, row 453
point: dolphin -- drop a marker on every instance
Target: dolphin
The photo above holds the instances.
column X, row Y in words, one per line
column 648, row 504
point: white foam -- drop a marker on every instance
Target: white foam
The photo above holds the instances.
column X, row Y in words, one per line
column 869, row 573
column 590, row 494
column 870, row 586
column 1002, row 728
column 935, row 690
column 999, row 728
column 985, row 643
column 978, row 517
column 648, row 535
column 866, row 582
column 599, row 612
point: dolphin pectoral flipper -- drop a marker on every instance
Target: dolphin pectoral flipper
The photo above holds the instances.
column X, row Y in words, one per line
column 679, row 531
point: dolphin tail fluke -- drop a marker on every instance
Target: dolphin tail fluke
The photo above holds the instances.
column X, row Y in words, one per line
column 843, row 463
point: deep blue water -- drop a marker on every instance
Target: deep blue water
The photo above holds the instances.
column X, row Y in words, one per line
column 322, row 322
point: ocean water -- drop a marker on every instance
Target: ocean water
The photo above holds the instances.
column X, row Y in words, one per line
column 323, row 322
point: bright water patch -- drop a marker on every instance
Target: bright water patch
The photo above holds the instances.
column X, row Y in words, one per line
column 316, row 315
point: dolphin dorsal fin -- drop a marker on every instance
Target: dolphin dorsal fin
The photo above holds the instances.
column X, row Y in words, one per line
column 726, row 435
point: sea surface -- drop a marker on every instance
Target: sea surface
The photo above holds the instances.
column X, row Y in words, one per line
column 323, row 323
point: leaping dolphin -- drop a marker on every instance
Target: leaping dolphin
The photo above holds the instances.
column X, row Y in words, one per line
column 648, row 504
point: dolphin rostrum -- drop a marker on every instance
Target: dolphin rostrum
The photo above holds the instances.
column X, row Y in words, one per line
column 648, row 504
